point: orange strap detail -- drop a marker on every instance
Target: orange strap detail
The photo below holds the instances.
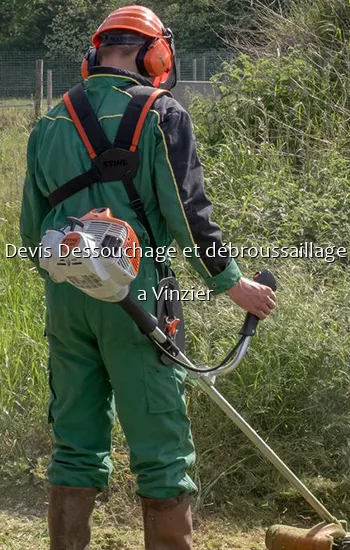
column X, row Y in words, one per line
column 79, row 126
column 142, row 118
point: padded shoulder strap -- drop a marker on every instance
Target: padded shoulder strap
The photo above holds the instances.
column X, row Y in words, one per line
column 97, row 143
column 130, row 127
column 85, row 120
column 129, row 131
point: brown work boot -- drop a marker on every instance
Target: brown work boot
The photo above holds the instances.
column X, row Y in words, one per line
column 167, row 523
column 70, row 512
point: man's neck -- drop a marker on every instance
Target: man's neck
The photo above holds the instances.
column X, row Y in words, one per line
column 102, row 69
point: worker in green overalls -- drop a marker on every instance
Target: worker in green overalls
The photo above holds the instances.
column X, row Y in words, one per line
column 100, row 364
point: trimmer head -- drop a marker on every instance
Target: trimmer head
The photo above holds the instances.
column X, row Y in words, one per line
column 324, row 536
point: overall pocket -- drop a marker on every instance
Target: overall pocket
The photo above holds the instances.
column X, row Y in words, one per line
column 162, row 388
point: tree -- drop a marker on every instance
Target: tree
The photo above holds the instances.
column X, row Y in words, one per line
column 200, row 25
column 74, row 23
column 76, row 20
column 66, row 26
column 23, row 26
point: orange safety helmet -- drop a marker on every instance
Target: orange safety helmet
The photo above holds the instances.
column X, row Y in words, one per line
column 156, row 57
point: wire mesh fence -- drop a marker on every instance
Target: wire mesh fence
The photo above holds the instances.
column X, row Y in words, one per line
column 18, row 74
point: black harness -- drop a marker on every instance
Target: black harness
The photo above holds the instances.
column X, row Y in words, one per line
column 110, row 161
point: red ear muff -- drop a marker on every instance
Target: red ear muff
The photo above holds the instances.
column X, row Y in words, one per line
column 89, row 61
column 155, row 57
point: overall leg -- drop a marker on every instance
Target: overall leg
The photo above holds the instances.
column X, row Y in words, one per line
column 151, row 407
column 81, row 413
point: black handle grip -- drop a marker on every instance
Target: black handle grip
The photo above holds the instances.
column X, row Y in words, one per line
column 146, row 322
column 251, row 321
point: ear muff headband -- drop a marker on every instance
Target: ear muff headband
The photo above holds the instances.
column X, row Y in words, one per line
column 122, row 38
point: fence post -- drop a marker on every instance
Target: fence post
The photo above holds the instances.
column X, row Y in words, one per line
column 39, row 87
column 179, row 69
column 204, row 68
column 195, row 70
column 49, row 89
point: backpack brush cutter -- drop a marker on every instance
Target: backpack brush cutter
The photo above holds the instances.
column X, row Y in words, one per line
column 97, row 254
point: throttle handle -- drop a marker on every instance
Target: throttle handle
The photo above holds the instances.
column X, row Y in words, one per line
column 251, row 321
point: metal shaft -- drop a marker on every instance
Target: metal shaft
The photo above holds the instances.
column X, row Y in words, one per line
column 206, row 383
column 263, row 447
column 266, row 450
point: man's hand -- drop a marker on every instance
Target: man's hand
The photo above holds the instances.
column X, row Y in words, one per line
column 253, row 297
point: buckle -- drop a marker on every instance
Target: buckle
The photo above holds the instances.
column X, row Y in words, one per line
column 171, row 325
column 137, row 204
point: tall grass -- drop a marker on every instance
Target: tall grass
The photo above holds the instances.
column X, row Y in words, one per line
column 275, row 144
column 23, row 384
column 275, row 148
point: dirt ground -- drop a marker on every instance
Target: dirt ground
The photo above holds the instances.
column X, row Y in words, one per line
column 23, row 525
column 30, row 533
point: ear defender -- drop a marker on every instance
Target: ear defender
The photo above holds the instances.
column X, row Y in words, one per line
column 155, row 57
column 89, row 61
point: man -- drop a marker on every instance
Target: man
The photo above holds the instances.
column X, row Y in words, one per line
column 99, row 361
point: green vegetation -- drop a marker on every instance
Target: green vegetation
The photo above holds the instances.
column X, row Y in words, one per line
column 276, row 152
column 66, row 26
column 275, row 145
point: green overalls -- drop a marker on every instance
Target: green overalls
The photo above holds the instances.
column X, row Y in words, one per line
column 99, row 361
